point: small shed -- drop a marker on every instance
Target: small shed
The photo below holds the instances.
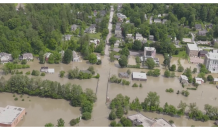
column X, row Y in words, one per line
column 139, row 76
column 215, row 80
column 51, row 71
column 199, row 80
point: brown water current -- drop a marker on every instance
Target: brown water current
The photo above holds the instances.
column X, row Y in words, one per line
column 44, row 110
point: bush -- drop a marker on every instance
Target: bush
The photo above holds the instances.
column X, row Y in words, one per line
column 97, row 76
column 74, row 121
column 102, row 53
column 98, row 62
column 23, row 62
column 137, row 59
column 112, row 115
column 210, row 78
column 28, row 73
column 91, row 69
column 125, row 82
column 35, row 73
column 114, row 79
column 170, row 90
column 134, row 66
column 43, row 74
column 167, row 73
column 128, row 72
column 62, row 74
column 180, row 68
column 16, row 99
column 140, row 85
column 185, row 93
column 86, row 115
column 22, row 99
column 135, row 85
column 113, row 123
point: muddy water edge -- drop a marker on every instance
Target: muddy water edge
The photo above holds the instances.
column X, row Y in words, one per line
column 45, row 110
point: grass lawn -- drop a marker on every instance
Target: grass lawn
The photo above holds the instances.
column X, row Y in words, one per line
column 181, row 54
column 95, row 35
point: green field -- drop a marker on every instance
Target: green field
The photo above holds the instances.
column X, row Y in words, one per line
column 181, row 54
column 95, row 35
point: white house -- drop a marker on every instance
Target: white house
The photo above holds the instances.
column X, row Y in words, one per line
column 95, row 41
column 50, row 70
column 76, row 58
column 199, row 80
column 98, row 57
column 139, row 76
column 211, row 62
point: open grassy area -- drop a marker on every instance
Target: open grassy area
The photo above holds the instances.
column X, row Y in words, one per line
column 95, row 35
column 181, row 54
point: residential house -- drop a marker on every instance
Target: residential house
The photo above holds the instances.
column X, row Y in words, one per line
column 164, row 15
column 192, row 50
column 47, row 55
column 121, row 17
column 91, row 29
column 44, row 69
column 95, row 41
column 74, row 27
column 98, row 57
column 138, row 36
column 149, row 52
column 183, row 79
column 76, row 58
column 103, row 13
column 202, row 33
column 5, row 57
column 50, row 70
column 202, row 53
column 151, row 37
column 139, row 76
column 210, row 26
column 215, row 51
column 85, row 71
column 116, row 49
column 144, row 40
column 116, row 44
column 129, row 36
column 95, row 13
column 159, row 15
column 157, row 20
column 211, row 62
column 118, row 31
column 127, row 21
column 204, row 42
column 139, row 119
column 215, row 81
column 117, row 57
column 67, row 37
column 123, row 75
column 199, row 80
column 198, row 26
column 27, row 56
column 164, row 21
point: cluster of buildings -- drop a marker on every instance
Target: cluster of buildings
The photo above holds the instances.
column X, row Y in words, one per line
column 5, row 57
column 184, row 80
column 139, row 119
column 10, row 116
column 150, row 52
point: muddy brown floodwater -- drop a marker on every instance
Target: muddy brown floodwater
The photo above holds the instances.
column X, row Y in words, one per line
column 44, row 110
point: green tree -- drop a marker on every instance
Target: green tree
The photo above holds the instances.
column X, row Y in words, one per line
column 112, row 115
column 15, row 54
column 173, row 67
column 119, row 111
column 128, row 72
column 62, row 74
column 49, row 125
column 51, row 59
column 92, row 58
column 113, row 123
column 86, row 116
column 60, row 122
column 194, row 70
column 87, row 106
column 125, row 122
column 125, row 51
column 150, row 63
column 180, row 68
column 209, row 78
column 41, row 57
column 152, row 101
column 74, row 121
column 137, row 45
column 67, row 56
column 112, row 40
column 23, row 62
column 167, row 73
column 156, row 72
column 123, row 61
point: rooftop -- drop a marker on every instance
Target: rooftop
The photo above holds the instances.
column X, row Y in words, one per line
column 212, row 55
column 186, row 40
column 9, row 114
column 215, row 79
column 149, row 49
column 139, row 75
column 184, row 77
column 192, row 46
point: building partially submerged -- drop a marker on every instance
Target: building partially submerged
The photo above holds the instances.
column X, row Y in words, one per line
column 139, row 76
column 215, row 81
column 139, row 119
column 123, row 75
column 211, row 62
column 192, row 49
column 27, row 56
column 183, row 79
column 5, row 57
column 47, row 70
column 76, row 58
column 10, row 116
column 199, row 80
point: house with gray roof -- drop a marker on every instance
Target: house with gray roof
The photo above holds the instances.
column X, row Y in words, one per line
column 164, row 21
column 91, row 29
column 103, row 13
column 151, row 37
column 74, row 27
column 67, row 37
column 157, row 20
column 198, row 26
column 202, row 33
column 27, row 56
column 138, row 36
column 98, row 20
column 123, row 75
column 118, row 31
column 5, row 57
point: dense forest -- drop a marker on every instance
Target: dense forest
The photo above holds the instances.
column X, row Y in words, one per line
column 42, row 26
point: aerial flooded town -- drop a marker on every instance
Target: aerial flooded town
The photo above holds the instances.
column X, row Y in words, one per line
column 109, row 65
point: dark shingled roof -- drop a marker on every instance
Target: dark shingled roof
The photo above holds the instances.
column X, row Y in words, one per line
column 203, row 52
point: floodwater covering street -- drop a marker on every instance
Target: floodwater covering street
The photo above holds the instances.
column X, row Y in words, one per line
column 45, row 110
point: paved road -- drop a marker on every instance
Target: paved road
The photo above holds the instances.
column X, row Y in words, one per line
column 109, row 34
